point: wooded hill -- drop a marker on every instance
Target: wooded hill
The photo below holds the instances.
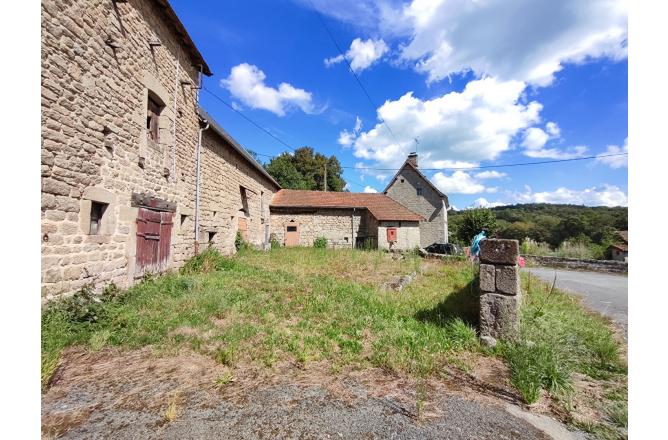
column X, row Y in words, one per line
column 552, row 224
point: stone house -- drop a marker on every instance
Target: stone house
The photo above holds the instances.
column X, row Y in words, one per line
column 620, row 249
column 415, row 191
column 345, row 219
column 121, row 150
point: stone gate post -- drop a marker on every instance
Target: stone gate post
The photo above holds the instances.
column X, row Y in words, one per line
column 500, row 293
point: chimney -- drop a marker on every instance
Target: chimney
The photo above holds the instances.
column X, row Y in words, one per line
column 412, row 158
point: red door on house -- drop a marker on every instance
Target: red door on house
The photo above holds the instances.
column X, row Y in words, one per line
column 154, row 234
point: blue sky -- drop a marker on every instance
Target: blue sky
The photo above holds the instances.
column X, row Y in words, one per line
column 477, row 83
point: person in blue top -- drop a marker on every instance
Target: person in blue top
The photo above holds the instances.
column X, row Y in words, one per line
column 475, row 244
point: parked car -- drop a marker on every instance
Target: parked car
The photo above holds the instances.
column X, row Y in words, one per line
column 444, row 249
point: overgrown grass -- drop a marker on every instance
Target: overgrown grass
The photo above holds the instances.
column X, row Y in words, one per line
column 302, row 304
column 566, row 249
column 558, row 338
column 309, row 304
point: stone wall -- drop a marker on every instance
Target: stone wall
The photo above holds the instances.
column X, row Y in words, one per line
column 98, row 70
column 341, row 227
column 408, row 235
column 224, row 173
column 429, row 205
column 578, row 264
column 500, row 292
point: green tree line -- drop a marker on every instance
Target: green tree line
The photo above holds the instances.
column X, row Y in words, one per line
column 554, row 225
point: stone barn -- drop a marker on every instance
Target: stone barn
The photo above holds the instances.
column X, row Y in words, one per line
column 345, row 219
column 121, row 150
column 415, row 191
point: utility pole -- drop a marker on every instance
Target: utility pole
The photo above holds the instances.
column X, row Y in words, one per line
column 325, row 176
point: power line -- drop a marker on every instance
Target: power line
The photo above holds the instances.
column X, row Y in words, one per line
column 231, row 107
column 350, row 67
column 422, row 169
column 495, row 166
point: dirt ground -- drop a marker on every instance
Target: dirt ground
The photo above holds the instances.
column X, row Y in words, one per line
column 149, row 394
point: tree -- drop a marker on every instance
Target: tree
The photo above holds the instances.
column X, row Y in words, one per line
column 475, row 220
column 305, row 169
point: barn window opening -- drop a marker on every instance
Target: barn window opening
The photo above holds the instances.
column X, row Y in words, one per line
column 292, row 228
column 97, row 210
column 212, row 235
column 419, row 191
column 183, row 219
column 402, row 180
column 153, row 119
column 244, row 201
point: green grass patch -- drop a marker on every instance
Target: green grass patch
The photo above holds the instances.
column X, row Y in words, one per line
column 558, row 338
column 311, row 304
column 303, row 304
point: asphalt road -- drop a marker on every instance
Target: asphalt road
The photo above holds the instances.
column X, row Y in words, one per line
column 602, row 292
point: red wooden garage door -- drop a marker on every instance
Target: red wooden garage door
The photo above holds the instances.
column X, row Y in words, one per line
column 154, row 233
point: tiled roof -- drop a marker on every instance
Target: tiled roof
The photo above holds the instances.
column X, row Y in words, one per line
column 621, row 246
column 624, row 235
column 379, row 205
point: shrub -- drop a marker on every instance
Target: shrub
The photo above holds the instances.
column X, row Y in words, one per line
column 83, row 307
column 320, row 243
column 240, row 243
column 208, row 261
column 273, row 241
column 474, row 221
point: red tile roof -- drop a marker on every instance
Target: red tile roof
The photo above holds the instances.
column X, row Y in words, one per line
column 380, row 206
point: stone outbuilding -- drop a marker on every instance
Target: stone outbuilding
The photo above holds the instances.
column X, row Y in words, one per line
column 620, row 249
column 415, row 191
column 121, row 150
column 345, row 219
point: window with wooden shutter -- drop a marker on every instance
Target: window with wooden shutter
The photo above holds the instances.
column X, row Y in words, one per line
column 153, row 120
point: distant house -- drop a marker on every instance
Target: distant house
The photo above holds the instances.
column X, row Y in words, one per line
column 345, row 219
column 620, row 250
column 413, row 190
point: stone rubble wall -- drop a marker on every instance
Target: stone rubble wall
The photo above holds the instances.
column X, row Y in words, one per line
column 610, row 266
column 500, row 292
column 434, row 229
column 95, row 146
column 336, row 225
column 224, row 172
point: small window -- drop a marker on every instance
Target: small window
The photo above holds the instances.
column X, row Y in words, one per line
column 292, row 228
column 153, row 120
column 212, row 235
column 402, row 180
column 419, row 191
column 244, row 201
column 183, row 219
column 97, row 210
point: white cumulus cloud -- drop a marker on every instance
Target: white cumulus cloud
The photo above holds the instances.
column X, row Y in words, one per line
column 475, row 124
column 370, row 189
column 526, row 40
column 604, row 195
column 459, row 182
column 620, row 161
column 490, row 175
column 484, row 203
column 362, row 54
column 246, row 83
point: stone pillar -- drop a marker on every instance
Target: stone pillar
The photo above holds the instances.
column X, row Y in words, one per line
column 500, row 293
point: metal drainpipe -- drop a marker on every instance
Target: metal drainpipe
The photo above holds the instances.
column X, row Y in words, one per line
column 352, row 229
column 198, row 184
column 176, row 97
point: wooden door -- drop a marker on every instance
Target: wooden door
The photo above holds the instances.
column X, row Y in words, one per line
column 292, row 235
column 243, row 228
column 154, row 235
